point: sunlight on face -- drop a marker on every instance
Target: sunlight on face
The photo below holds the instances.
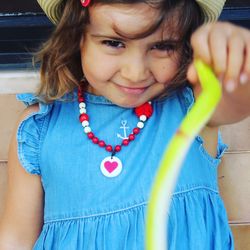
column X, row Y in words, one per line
column 127, row 71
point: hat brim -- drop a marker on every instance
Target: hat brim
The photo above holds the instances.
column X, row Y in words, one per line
column 210, row 8
column 52, row 9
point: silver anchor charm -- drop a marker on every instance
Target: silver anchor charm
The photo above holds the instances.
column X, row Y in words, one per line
column 124, row 123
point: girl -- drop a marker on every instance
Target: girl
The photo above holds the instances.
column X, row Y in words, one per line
column 83, row 182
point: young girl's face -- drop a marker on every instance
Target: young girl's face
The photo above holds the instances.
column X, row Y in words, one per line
column 125, row 70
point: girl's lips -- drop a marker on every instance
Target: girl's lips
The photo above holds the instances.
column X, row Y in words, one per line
column 135, row 91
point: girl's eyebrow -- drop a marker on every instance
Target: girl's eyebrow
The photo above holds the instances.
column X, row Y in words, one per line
column 169, row 41
column 120, row 38
column 99, row 35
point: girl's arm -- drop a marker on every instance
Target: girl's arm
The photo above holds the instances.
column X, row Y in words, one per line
column 226, row 48
column 22, row 218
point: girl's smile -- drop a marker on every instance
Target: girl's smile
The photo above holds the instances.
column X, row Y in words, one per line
column 132, row 91
column 133, row 70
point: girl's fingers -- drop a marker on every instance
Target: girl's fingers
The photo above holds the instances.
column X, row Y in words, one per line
column 226, row 48
column 218, row 49
column 192, row 74
column 200, row 45
column 245, row 74
column 235, row 63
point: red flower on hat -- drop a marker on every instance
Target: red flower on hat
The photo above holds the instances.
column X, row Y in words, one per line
column 85, row 3
column 145, row 109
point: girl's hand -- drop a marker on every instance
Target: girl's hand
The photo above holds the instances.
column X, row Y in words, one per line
column 226, row 48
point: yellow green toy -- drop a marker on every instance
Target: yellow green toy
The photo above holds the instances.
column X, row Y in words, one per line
column 164, row 184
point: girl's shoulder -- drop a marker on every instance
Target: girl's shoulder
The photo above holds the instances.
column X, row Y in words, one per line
column 29, row 110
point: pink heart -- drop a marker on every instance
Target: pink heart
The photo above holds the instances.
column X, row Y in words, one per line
column 110, row 166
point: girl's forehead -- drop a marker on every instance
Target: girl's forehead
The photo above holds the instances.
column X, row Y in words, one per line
column 127, row 19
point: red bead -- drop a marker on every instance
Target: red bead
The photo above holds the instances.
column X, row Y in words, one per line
column 131, row 137
column 125, row 142
column 95, row 140
column 145, row 109
column 102, row 144
column 80, row 99
column 136, row 131
column 81, row 89
column 90, row 135
column 83, row 117
column 118, row 148
column 109, row 148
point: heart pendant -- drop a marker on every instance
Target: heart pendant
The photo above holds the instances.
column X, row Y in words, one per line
column 111, row 166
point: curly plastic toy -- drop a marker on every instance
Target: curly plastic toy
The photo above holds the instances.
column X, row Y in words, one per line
column 159, row 202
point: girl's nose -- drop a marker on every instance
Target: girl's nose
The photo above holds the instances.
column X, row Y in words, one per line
column 135, row 70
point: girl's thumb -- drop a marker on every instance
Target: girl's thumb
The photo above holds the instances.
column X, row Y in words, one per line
column 192, row 75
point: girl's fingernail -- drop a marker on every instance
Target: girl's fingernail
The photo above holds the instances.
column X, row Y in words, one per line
column 230, row 86
column 243, row 78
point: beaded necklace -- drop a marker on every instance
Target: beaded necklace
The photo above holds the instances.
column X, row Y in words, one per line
column 111, row 166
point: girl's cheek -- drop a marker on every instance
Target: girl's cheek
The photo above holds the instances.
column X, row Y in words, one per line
column 99, row 69
column 165, row 71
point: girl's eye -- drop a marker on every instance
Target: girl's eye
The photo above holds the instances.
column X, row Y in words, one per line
column 113, row 44
column 167, row 47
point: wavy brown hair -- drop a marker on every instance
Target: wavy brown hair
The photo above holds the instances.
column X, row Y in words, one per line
column 59, row 57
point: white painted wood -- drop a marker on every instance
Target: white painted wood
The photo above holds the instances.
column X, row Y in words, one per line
column 237, row 136
column 234, row 183
column 18, row 81
column 10, row 111
column 3, row 185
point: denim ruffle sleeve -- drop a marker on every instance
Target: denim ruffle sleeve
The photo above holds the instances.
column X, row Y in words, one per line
column 29, row 134
column 187, row 99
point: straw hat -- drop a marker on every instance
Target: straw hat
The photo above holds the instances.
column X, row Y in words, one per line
column 210, row 8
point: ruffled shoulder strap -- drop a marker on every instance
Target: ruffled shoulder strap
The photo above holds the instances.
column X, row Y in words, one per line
column 30, row 134
column 187, row 100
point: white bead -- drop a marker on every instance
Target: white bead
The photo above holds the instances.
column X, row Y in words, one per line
column 82, row 105
column 83, row 111
column 143, row 118
column 140, row 124
column 85, row 124
column 87, row 130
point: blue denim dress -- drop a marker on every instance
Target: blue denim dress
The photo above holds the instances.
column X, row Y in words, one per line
column 85, row 210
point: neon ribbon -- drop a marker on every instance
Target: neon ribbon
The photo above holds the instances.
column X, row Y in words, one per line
column 165, row 180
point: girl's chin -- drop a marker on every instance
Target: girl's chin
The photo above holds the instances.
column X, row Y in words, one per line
column 124, row 97
column 129, row 102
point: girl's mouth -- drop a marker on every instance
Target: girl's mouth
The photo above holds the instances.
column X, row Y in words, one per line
column 133, row 91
